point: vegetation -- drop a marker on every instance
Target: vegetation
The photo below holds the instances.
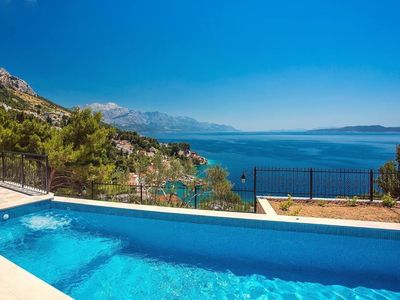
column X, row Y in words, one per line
column 139, row 142
column 21, row 101
column 296, row 212
column 388, row 200
column 218, row 194
column 389, row 176
column 175, row 148
column 83, row 149
column 285, row 205
column 88, row 158
column 22, row 132
column 9, row 99
column 352, row 201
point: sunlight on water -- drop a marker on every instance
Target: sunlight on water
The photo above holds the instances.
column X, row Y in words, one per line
column 96, row 256
column 47, row 222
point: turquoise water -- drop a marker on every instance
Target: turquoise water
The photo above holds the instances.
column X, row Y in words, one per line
column 94, row 256
column 242, row 151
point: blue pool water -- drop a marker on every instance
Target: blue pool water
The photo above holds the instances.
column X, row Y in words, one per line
column 99, row 256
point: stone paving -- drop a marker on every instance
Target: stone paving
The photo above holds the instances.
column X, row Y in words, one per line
column 10, row 198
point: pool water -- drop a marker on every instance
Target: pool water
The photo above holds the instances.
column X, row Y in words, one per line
column 97, row 256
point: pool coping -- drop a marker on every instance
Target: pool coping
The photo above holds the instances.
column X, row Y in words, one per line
column 17, row 283
column 268, row 216
column 26, row 201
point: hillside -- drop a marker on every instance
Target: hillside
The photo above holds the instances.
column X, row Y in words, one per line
column 150, row 122
column 366, row 128
column 16, row 94
column 28, row 122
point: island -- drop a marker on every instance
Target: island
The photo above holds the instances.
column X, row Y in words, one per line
column 360, row 128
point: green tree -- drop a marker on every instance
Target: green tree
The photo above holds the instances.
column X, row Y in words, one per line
column 217, row 182
column 22, row 132
column 81, row 151
column 219, row 190
column 389, row 176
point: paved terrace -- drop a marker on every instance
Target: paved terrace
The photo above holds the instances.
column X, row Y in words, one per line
column 10, row 197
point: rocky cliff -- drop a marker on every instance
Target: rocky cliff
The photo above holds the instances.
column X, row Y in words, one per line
column 9, row 81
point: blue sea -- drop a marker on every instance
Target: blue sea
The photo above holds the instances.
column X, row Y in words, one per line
column 241, row 151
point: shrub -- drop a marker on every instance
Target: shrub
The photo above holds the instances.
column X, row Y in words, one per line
column 351, row 201
column 285, row 205
column 321, row 203
column 389, row 176
column 388, row 200
column 296, row 211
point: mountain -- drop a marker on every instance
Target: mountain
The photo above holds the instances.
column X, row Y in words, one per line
column 361, row 128
column 35, row 115
column 16, row 94
column 9, row 81
column 150, row 122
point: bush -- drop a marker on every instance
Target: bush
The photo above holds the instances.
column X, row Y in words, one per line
column 296, row 211
column 388, row 200
column 321, row 203
column 389, row 176
column 351, row 201
column 285, row 205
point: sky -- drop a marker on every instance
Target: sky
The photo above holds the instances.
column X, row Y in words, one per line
column 257, row 65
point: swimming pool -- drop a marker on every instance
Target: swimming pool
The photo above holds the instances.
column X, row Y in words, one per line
column 91, row 252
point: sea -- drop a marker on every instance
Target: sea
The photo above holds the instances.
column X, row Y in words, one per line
column 240, row 152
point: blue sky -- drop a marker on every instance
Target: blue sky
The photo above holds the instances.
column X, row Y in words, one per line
column 257, row 65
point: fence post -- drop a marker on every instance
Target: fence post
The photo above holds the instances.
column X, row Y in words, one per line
column 371, row 185
column 141, row 193
column 47, row 174
column 255, row 189
column 195, row 196
column 311, row 183
column 92, row 189
column 3, row 161
column 22, row 171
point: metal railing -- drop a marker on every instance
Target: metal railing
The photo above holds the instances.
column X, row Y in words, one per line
column 172, row 195
column 29, row 171
column 319, row 183
column 25, row 171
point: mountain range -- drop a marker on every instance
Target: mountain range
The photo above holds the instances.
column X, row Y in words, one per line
column 15, row 93
column 360, row 128
column 150, row 122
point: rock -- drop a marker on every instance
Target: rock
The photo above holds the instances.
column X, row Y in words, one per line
column 13, row 82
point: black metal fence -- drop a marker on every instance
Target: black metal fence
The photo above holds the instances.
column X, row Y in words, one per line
column 318, row 183
column 24, row 170
column 173, row 195
column 309, row 183
column 30, row 172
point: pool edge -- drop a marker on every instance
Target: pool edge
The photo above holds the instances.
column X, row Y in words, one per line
column 17, row 283
column 260, row 221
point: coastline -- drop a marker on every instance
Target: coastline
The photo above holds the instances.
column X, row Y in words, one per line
column 238, row 152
